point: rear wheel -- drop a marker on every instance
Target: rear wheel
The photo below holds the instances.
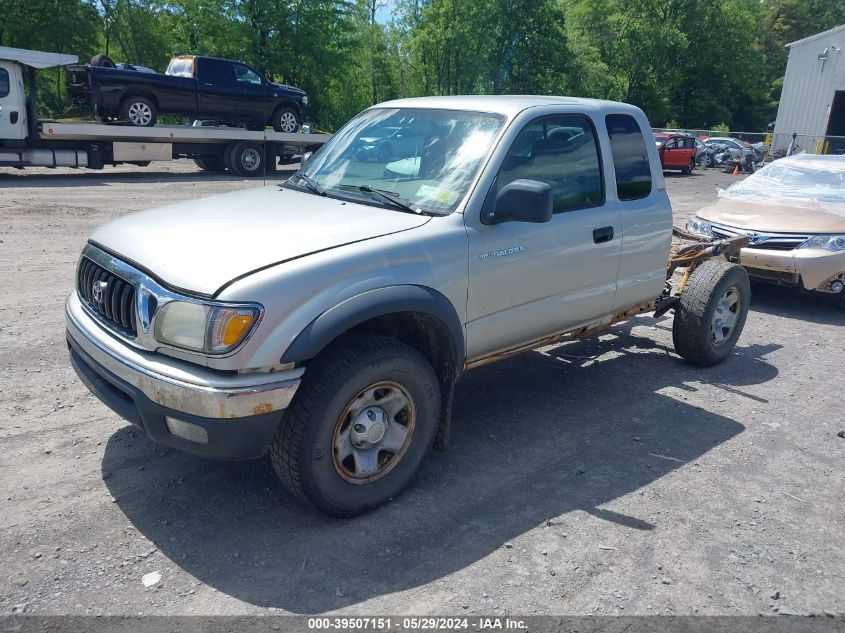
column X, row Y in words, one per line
column 245, row 159
column 359, row 427
column 138, row 111
column 711, row 313
column 688, row 169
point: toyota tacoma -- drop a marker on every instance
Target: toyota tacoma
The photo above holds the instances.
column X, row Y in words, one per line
column 326, row 320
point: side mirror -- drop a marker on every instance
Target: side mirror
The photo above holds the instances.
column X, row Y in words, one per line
column 305, row 158
column 523, row 201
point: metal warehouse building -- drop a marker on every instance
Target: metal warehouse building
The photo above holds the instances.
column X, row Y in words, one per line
column 812, row 103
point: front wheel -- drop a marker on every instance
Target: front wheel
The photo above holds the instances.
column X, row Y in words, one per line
column 285, row 120
column 711, row 313
column 359, row 427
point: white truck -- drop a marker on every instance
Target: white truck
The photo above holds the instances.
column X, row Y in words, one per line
column 25, row 141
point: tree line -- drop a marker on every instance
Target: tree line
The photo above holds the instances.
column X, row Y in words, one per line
column 687, row 63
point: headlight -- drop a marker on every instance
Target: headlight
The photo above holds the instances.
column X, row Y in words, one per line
column 201, row 327
column 697, row 226
column 827, row 242
column 305, row 100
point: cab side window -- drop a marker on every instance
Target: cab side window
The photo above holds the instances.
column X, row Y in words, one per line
column 246, row 75
column 4, row 83
column 630, row 158
column 217, row 72
column 562, row 151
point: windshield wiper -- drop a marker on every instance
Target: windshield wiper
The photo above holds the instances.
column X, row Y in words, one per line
column 312, row 184
column 384, row 194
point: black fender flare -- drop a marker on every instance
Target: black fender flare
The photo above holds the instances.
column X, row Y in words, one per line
column 369, row 305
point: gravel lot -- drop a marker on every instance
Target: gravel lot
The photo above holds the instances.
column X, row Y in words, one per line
column 598, row 477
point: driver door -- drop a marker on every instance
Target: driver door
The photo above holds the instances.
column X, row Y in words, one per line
column 526, row 280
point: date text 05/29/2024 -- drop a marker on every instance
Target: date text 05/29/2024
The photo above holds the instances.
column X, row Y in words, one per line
column 416, row 624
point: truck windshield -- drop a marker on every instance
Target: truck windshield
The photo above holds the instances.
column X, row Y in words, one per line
column 425, row 158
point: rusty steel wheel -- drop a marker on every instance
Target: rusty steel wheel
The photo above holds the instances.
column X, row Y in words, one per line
column 373, row 432
column 360, row 425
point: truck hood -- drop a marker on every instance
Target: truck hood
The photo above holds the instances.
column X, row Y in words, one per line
column 201, row 245
column 286, row 89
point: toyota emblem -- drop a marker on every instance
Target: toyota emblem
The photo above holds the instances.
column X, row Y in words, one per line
column 98, row 290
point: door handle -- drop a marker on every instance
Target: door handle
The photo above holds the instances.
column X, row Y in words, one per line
column 604, row 234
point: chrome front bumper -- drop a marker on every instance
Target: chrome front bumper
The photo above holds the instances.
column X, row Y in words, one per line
column 178, row 385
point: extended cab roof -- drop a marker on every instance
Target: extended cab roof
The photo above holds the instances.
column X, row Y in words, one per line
column 508, row 105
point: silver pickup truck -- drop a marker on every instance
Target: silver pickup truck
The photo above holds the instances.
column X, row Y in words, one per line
column 328, row 318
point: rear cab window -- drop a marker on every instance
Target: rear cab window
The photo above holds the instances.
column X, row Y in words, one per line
column 630, row 158
column 180, row 67
column 562, row 151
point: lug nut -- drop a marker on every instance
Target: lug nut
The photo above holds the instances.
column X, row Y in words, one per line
column 371, row 414
column 359, row 428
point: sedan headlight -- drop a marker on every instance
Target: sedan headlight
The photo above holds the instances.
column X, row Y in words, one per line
column 697, row 226
column 201, row 327
column 827, row 242
column 305, row 100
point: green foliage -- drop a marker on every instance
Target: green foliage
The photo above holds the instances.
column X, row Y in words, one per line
column 720, row 128
column 691, row 63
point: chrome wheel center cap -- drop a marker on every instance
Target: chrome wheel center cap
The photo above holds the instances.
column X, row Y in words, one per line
column 368, row 428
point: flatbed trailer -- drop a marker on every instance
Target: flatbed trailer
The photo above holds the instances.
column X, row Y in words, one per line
column 27, row 142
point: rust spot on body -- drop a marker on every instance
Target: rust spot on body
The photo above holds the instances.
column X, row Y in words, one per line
column 261, row 409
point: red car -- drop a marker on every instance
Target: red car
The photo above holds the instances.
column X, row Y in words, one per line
column 677, row 151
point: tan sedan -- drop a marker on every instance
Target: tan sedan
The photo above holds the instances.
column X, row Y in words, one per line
column 793, row 211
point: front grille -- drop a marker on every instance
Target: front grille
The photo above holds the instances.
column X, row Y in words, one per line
column 116, row 304
column 770, row 241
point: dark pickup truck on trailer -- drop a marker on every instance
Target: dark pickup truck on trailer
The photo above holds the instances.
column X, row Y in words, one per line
column 198, row 87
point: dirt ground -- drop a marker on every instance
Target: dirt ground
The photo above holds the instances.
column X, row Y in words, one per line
column 599, row 477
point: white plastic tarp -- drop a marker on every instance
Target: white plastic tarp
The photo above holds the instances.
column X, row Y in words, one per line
column 805, row 177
